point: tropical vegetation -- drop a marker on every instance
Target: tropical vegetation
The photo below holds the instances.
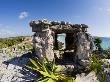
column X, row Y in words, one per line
column 107, row 56
column 97, row 42
column 7, row 42
column 49, row 71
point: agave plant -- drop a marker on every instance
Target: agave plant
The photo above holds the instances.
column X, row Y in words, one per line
column 49, row 71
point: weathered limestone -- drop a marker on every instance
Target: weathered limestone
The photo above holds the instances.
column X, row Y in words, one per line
column 12, row 69
column 43, row 43
column 91, row 77
column 84, row 45
column 78, row 42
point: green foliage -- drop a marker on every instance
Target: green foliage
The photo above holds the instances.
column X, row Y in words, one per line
column 49, row 71
column 60, row 45
column 7, row 42
column 95, row 63
column 28, row 47
column 103, row 77
column 97, row 42
column 107, row 56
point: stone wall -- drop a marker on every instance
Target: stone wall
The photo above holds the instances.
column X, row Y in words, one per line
column 84, row 45
column 78, row 41
column 43, row 44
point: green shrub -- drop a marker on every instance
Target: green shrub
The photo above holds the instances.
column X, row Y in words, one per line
column 103, row 77
column 108, row 54
column 49, row 71
column 7, row 42
column 97, row 42
column 95, row 65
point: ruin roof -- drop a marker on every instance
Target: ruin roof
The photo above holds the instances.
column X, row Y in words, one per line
column 55, row 25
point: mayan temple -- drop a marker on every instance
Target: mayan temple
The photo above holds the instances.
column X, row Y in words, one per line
column 78, row 42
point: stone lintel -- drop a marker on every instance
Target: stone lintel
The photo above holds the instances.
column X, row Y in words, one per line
column 39, row 25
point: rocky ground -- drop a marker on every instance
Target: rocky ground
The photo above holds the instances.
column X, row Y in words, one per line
column 91, row 77
column 12, row 69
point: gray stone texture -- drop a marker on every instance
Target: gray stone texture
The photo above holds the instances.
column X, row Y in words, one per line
column 12, row 68
column 91, row 77
column 78, row 41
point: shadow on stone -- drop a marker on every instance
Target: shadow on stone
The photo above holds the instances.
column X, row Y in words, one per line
column 17, row 67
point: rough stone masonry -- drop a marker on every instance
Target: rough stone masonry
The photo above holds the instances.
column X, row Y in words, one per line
column 78, row 43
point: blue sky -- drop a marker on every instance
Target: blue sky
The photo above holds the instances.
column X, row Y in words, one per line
column 15, row 15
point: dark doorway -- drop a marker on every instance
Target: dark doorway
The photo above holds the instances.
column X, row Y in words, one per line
column 69, row 40
column 68, row 57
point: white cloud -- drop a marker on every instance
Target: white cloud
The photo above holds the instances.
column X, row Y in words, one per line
column 23, row 15
column 108, row 9
column 6, row 33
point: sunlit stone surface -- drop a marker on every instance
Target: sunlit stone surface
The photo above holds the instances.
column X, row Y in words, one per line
column 78, row 43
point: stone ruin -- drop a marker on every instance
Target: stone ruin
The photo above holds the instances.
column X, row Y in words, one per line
column 78, row 43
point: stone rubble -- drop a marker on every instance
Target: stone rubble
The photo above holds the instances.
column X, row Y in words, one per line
column 91, row 77
column 12, row 69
